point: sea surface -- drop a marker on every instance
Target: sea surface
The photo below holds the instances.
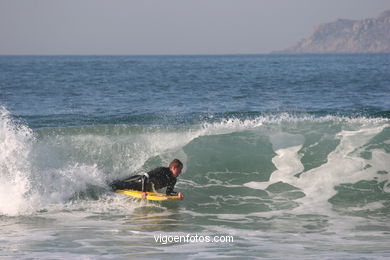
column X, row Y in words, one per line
column 288, row 156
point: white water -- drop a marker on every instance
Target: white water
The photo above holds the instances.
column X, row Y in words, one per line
column 344, row 165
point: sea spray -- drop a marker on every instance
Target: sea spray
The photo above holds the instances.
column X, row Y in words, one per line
column 15, row 169
column 28, row 180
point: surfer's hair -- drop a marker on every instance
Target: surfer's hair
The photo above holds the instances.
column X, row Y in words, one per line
column 176, row 163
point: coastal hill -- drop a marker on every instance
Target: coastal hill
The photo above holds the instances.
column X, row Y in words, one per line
column 348, row 36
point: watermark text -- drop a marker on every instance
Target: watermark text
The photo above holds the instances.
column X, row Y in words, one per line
column 190, row 238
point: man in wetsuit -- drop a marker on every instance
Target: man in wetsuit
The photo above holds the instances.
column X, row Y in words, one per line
column 154, row 180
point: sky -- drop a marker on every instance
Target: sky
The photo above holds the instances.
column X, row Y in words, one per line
column 165, row 27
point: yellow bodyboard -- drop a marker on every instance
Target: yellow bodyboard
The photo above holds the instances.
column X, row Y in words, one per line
column 151, row 195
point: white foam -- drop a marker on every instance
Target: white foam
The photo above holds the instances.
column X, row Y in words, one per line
column 344, row 165
column 287, row 160
column 230, row 125
column 15, row 146
column 25, row 187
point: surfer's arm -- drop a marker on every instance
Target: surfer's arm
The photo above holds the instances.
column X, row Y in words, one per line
column 170, row 188
column 170, row 191
column 174, row 193
column 144, row 180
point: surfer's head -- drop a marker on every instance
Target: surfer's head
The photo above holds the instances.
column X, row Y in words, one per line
column 175, row 167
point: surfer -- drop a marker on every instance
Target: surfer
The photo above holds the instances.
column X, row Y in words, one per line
column 153, row 180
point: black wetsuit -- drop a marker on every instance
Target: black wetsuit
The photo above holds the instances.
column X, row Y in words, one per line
column 154, row 180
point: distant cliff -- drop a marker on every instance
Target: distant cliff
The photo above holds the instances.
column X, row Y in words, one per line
column 348, row 36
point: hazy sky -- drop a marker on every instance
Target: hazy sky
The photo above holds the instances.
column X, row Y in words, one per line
column 167, row 26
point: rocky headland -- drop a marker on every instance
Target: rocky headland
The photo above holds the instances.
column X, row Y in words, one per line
column 348, row 36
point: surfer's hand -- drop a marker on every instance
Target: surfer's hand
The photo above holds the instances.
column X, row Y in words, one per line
column 180, row 195
column 144, row 195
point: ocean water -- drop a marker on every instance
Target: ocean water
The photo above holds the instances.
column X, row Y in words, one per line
column 288, row 156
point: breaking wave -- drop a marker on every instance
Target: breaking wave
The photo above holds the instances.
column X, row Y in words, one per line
column 249, row 167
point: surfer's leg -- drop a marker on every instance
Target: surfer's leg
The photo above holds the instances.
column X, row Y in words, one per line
column 132, row 183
